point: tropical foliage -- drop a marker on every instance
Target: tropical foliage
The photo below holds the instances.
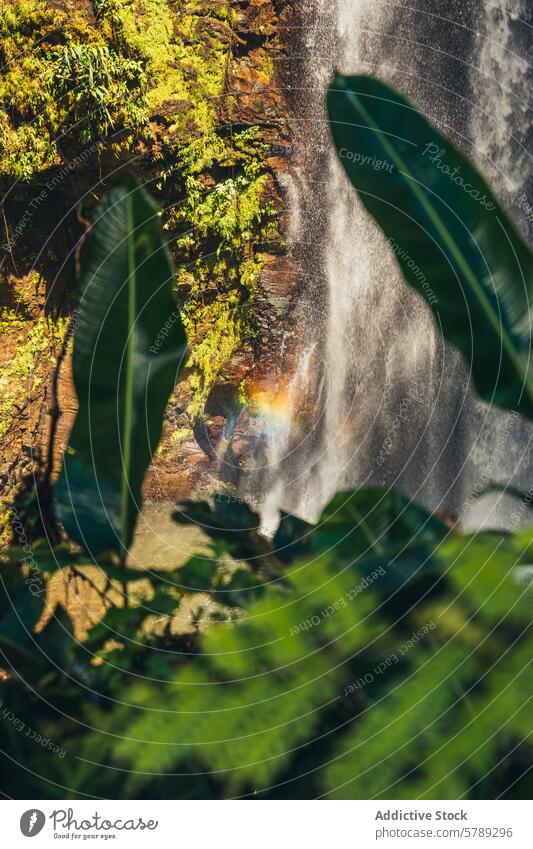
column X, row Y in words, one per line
column 378, row 653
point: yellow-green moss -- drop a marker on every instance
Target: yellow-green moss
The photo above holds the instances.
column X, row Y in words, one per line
column 222, row 326
column 215, row 225
column 60, row 78
column 150, row 76
column 228, row 211
column 100, row 89
column 243, row 394
column 184, row 60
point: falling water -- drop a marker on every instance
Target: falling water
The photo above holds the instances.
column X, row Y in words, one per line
column 382, row 399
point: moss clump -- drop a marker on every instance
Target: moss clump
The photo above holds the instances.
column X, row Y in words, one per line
column 225, row 322
column 100, row 89
column 214, row 228
column 22, row 378
column 184, row 51
column 148, row 79
column 61, row 80
column 228, row 212
column 219, row 176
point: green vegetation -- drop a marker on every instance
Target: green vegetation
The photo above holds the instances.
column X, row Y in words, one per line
column 103, row 90
column 31, row 357
column 215, row 226
column 361, row 673
column 19, row 377
column 79, row 90
column 146, row 81
column 129, row 347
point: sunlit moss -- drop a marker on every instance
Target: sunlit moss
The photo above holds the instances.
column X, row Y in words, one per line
column 101, row 90
column 228, row 211
column 243, row 394
column 149, row 76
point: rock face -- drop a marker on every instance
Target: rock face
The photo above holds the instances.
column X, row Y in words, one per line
column 191, row 97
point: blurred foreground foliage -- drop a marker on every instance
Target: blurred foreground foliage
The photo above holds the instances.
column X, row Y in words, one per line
column 385, row 656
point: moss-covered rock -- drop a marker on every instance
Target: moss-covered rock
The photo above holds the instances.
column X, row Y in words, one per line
column 185, row 94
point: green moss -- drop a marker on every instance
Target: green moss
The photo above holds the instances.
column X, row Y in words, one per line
column 215, row 225
column 23, row 374
column 250, row 272
column 148, row 77
column 228, row 212
column 10, row 322
column 222, row 323
column 185, row 59
column 100, row 90
column 141, row 29
column 243, row 395
column 179, row 435
column 80, row 88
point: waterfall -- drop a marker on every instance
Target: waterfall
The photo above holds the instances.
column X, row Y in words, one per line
column 375, row 397
column 502, row 130
column 501, row 119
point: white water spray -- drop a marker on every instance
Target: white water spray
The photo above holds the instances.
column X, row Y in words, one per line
column 367, row 340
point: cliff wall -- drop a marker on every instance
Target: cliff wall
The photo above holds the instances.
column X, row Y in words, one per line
column 189, row 95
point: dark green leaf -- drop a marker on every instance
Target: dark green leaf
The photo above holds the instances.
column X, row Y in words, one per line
column 453, row 240
column 375, row 522
column 128, row 348
column 21, row 605
column 197, row 574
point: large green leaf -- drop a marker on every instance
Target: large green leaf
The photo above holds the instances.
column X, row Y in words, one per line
column 128, row 347
column 453, row 240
